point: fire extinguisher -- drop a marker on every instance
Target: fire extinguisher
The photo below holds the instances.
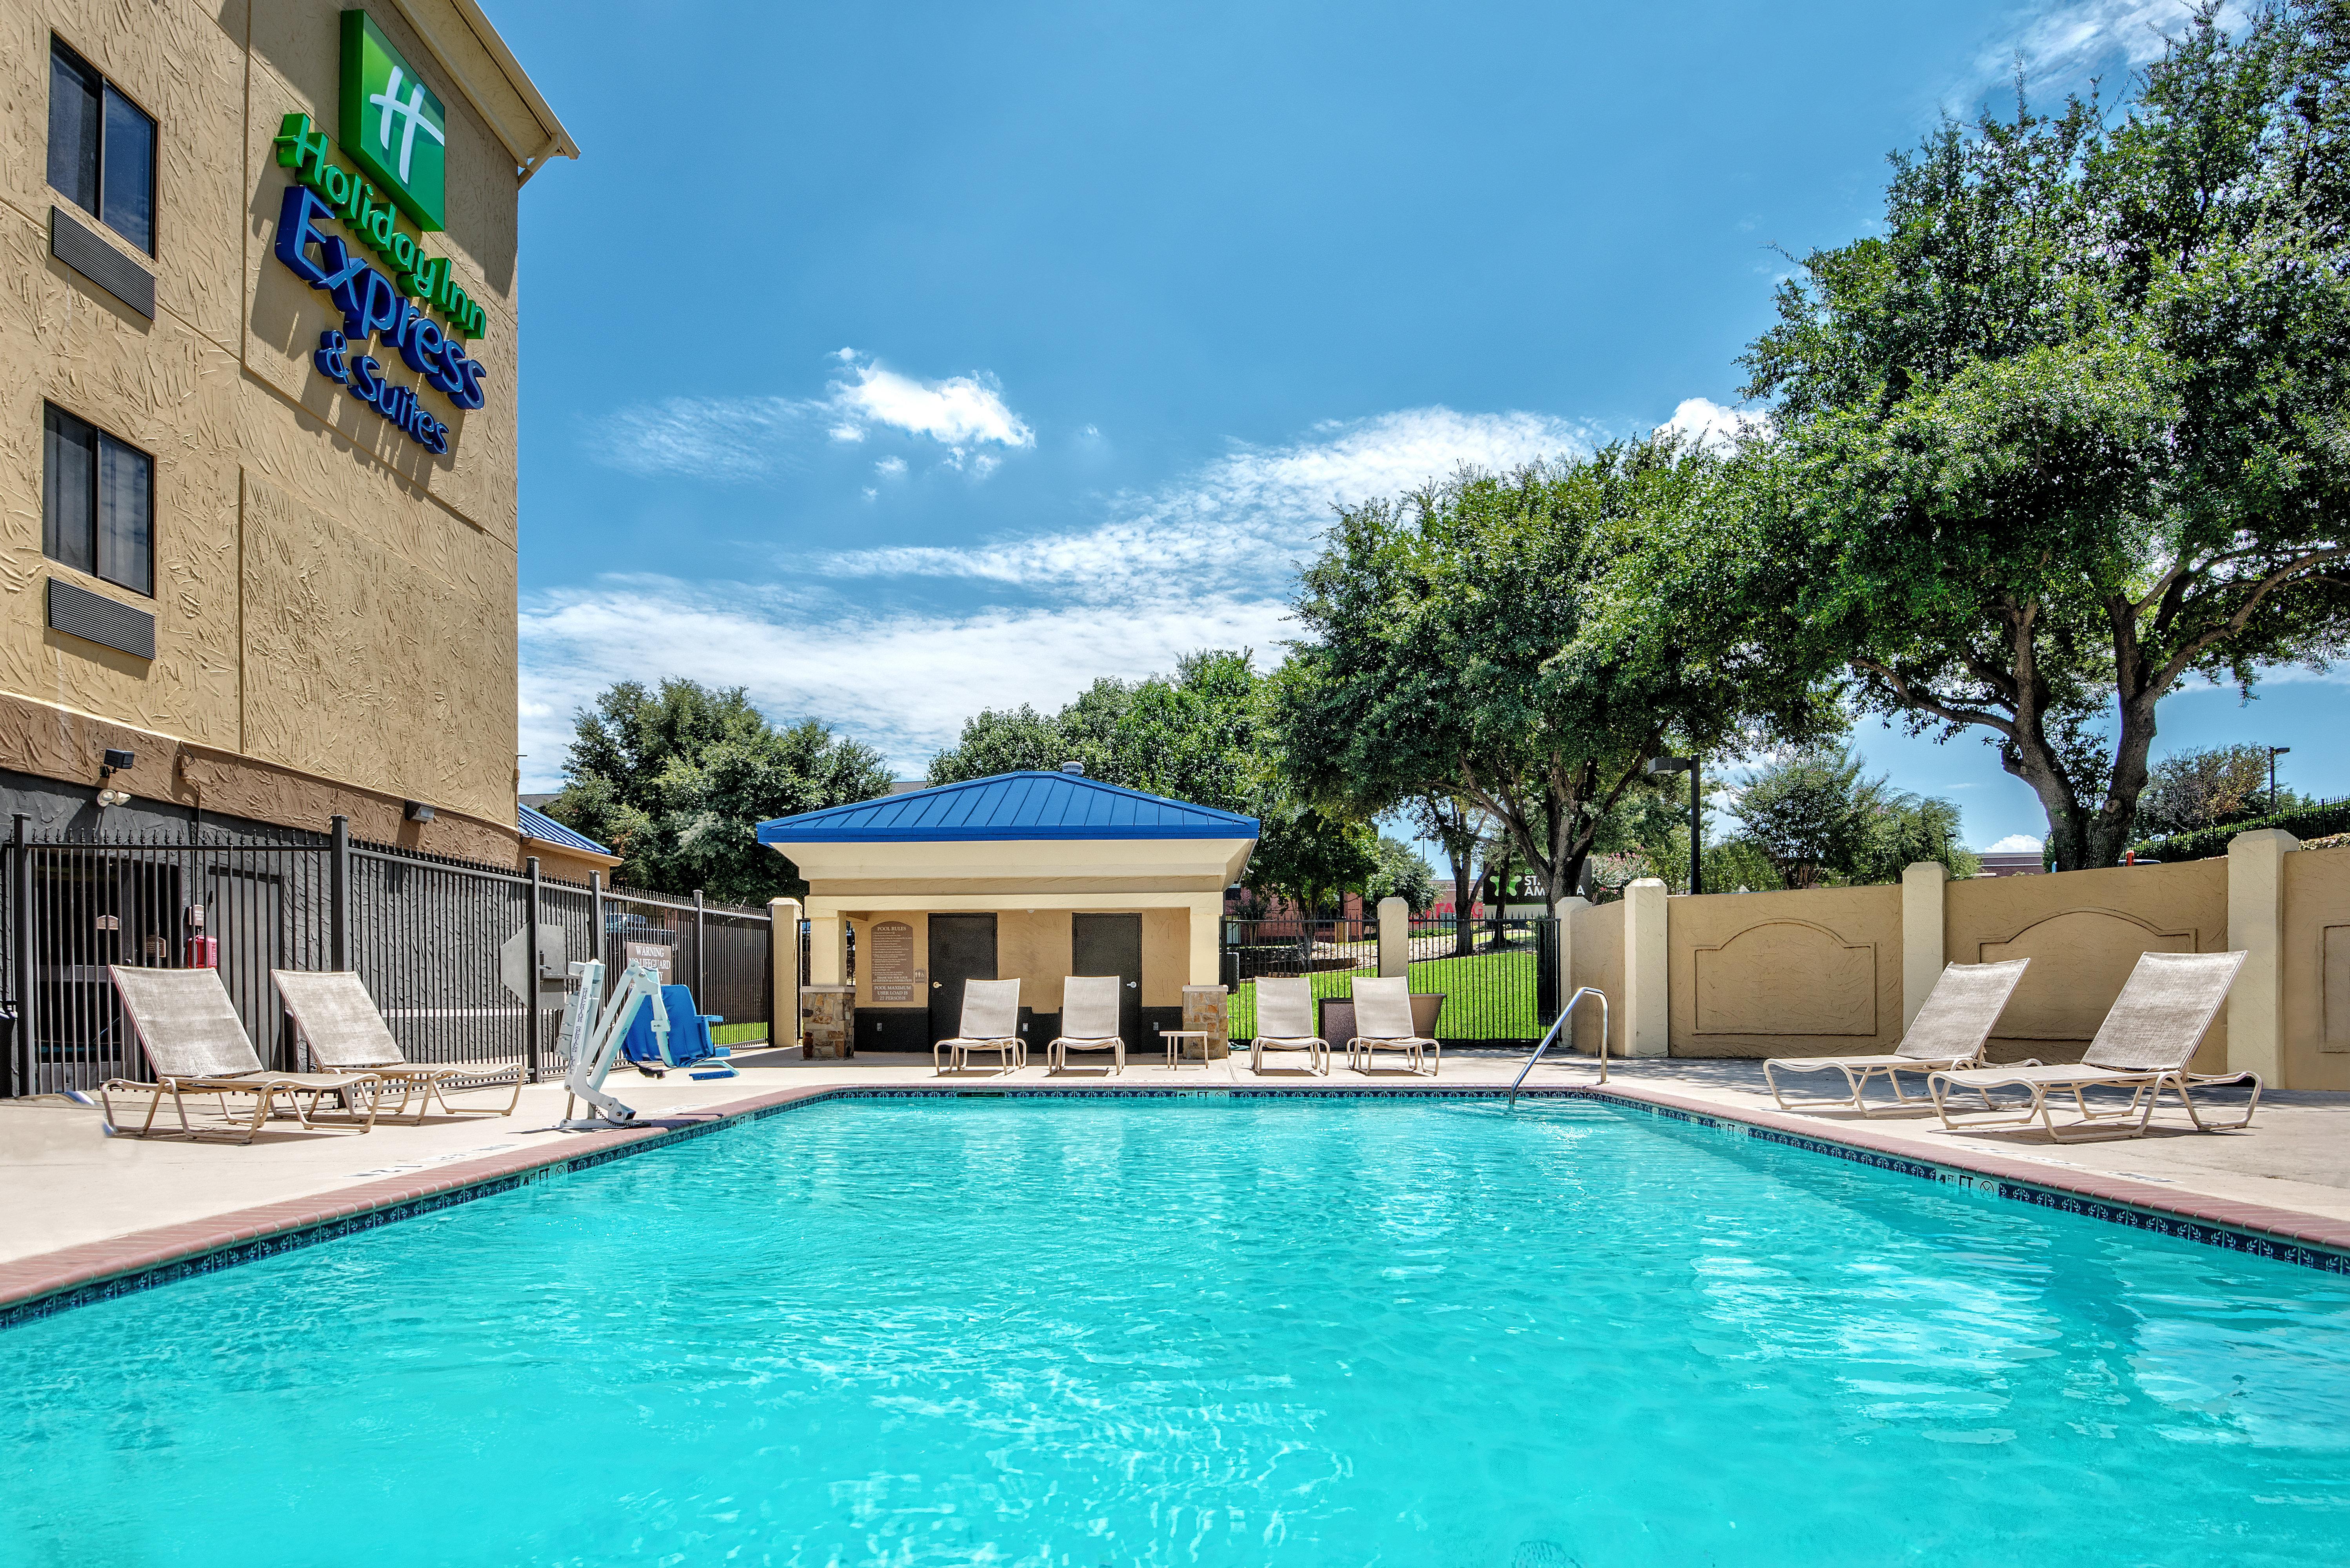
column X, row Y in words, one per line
column 202, row 951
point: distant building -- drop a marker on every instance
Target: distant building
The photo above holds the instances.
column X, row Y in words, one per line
column 2011, row 863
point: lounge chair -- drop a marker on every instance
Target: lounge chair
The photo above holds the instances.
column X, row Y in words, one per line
column 196, row 1045
column 1285, row 1022
column 991, row 1021
column 334, row 1013
column 2144, row 1046
column 1088, row 1018
column 1950, row 1031
column 1383, row 1022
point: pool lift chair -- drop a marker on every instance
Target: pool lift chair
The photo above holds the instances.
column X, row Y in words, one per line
column 594, row 1040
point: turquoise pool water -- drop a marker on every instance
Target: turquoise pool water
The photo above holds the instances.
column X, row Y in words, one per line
column 1201, row 1332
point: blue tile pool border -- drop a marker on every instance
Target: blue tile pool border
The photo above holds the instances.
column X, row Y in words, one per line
column 2146, row 1217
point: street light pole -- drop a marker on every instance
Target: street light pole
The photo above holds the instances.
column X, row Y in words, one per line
column 2274, row 752
column 1662, row 768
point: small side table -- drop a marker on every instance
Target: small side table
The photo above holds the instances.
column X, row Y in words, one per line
column 1175, row 1038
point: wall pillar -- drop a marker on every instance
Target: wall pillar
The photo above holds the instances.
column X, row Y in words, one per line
column 784, row 955
column 1647, row 975
column 827, row 949
column 1563, row 944
column 2256, row 928
column 1923, row 884
column 1395, row 937
column 1207, row 957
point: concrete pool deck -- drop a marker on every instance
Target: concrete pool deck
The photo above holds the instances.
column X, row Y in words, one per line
column 85, row 1209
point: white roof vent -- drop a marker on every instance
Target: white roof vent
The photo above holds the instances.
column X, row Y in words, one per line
column 1073, row 767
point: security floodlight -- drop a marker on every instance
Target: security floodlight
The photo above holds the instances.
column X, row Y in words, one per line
column 416, row 811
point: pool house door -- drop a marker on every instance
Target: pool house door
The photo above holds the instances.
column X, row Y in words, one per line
column 962, row 946
column 1112, row 944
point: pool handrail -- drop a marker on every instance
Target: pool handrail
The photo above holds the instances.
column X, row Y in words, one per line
column 1565, row 1015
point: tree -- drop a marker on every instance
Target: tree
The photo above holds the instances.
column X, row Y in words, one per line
column 1814, row 816
column 1201, row 734
column 2207, row 788
column 1456, row 827
column 1521, row 643
column 677, row 781
column 2072, row 429
column 1400, row 872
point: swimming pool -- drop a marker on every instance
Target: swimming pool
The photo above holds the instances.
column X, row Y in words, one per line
column 1210, row 1331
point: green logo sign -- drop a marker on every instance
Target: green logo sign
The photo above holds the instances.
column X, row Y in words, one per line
column 392, row 124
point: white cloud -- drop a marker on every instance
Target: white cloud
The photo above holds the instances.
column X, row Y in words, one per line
column 1205, row 563
column 892, row 466
column 2014, row 844
column 1711, row 424
column 1245, row 517
column 744, row 438
column 960, row 411
column 2063, row 42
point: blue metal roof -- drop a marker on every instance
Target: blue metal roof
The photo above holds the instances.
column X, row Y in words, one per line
column 1009, row 806
column 547, row 830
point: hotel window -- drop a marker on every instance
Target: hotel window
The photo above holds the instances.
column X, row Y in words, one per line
column 101, row 148
column 97, row 502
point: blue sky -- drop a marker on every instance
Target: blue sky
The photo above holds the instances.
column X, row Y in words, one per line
column 899, row 360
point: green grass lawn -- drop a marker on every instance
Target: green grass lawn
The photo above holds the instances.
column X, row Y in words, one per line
column 739, row 1033
column 1488, row 997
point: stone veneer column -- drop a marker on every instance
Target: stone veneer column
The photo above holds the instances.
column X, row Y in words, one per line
column 2256, row 926
column 784, row 953
column 1395, row 937
column 1647, row 976
column 1923, row 885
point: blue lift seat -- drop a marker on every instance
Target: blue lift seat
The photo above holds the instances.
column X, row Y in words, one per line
column 689, row 1038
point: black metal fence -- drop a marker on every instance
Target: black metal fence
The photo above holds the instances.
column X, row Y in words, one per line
column 1499, row 977
column 438, row 944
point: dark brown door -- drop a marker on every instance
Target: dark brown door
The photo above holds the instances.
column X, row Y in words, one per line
column 1112, row 944
column 962, row 946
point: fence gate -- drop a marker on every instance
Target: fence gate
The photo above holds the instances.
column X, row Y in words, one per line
column 1499, row 977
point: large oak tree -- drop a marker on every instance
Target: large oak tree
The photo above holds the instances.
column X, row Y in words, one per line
column 2072, row 430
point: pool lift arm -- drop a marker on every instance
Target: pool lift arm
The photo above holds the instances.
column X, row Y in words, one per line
column 594, row 1039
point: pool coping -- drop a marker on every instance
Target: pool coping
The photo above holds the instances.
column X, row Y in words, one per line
column 49, row 1282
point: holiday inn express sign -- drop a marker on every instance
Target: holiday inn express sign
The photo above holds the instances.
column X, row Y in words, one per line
column 395, row 128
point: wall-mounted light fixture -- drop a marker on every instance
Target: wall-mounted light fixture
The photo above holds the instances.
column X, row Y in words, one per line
column 115, row 761
column 416, row 811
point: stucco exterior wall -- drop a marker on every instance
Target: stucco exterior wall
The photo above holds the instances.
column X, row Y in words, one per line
column 2083, row 931
column 1036, row 947
column 1597, row 949
column 2316, row 950
column 330, row 599
column 1785, row 974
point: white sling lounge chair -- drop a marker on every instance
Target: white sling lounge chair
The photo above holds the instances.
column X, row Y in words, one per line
column 196, row 1045
column 1383, row 1022
column 990, row 1022
column 1950, row 1031
column 2143, row 1046
column 1088, row 1018
column 1285, row 1022
column 334, row 1013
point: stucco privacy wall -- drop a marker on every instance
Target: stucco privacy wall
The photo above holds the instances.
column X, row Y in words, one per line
column 2083, row 931
column 332, row 602
column 1752, row 973
column 2315, row 938
column 1819, row 972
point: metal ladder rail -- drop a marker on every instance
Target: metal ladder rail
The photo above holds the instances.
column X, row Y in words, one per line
column 1565, row 1016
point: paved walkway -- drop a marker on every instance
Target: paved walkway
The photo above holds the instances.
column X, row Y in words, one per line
column 71, row 1187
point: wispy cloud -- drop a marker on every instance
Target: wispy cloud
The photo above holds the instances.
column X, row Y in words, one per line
column 746, row 437
column 1204, row 562
column 2063, row 43
column 1245, row 517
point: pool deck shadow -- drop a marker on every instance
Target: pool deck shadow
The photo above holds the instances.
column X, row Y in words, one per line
column 89, row 1212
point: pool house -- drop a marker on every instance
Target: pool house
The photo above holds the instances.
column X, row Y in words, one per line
column 1027, row 876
